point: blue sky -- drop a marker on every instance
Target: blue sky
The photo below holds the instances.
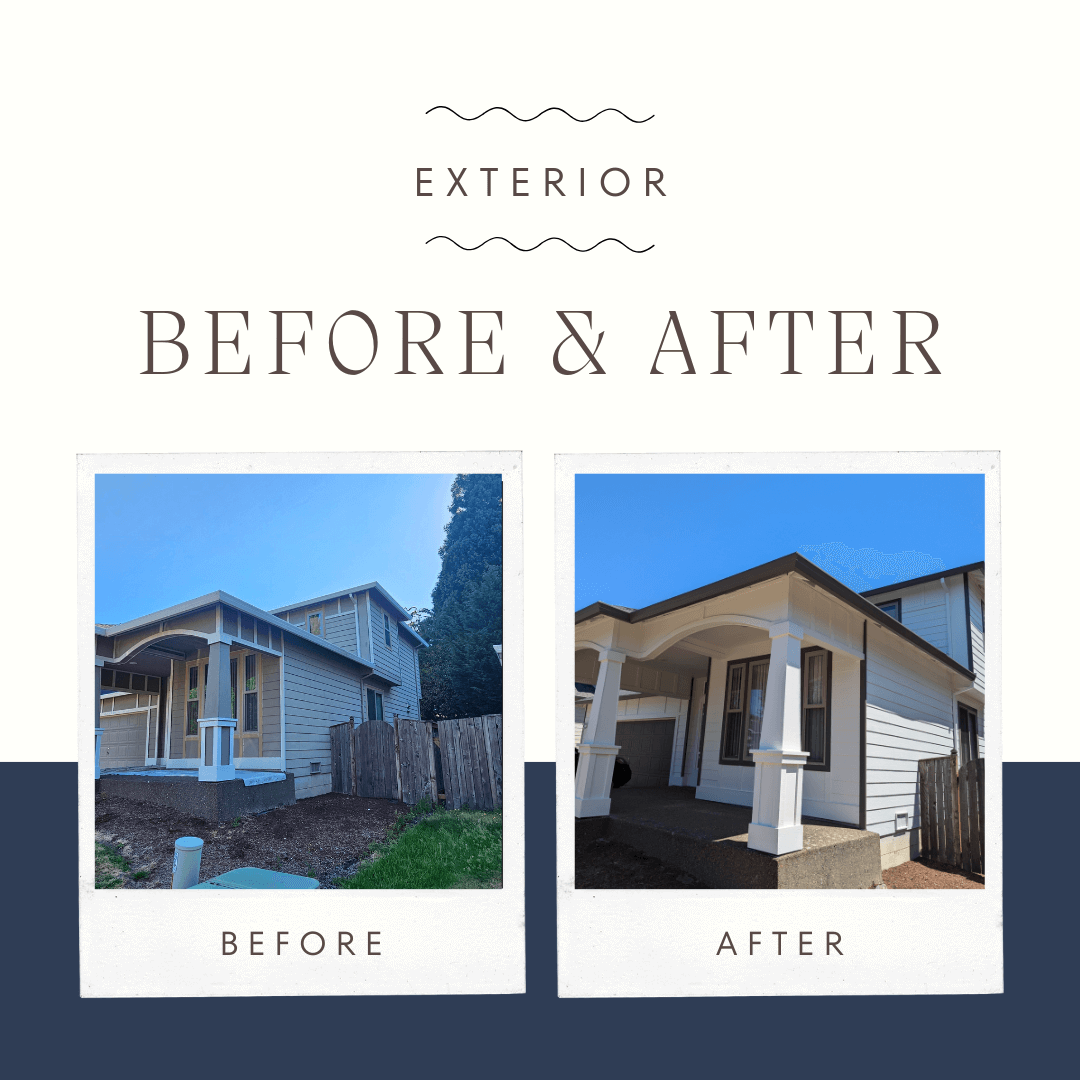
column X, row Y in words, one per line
column 268, row 539
column 640, row 539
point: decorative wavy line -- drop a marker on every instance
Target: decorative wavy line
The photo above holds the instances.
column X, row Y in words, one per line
column 613, row 239
column 529, row 120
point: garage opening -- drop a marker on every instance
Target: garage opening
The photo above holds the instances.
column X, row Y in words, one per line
column 647, row 746
column 129, row 725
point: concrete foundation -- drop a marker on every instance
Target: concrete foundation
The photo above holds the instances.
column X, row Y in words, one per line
column 209, row 800
column 899, row 848
column 709, row 841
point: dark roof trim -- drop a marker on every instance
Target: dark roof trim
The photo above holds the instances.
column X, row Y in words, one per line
column 786, row 564
column 956, row 571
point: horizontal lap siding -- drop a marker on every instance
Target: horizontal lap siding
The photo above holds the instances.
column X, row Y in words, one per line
column 923, row 609
column 397, row 663
column 978, row 641
column 271, row 706
column 320, row 690
column 909, row 716
column 341, row 631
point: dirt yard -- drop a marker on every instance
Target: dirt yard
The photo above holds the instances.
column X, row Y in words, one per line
column 324, row 837
column 607, row 864
column 920, row 874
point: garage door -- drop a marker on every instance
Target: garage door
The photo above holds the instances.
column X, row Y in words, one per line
column 123, row 741
column 646, row 744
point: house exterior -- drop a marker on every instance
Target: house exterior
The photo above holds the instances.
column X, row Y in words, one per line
column 268, row 685
column 782, row 689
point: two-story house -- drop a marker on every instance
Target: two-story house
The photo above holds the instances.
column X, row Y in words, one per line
column 782, row 689
column 283, row 678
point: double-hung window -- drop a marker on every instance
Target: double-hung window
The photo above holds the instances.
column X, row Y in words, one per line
column 744, row 708
column 193, row 700
column 386, row 629
column 251, row 693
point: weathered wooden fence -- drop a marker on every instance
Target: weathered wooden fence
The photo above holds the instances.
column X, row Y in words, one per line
column 951, row 806
column 471, row 750
column 383, row 761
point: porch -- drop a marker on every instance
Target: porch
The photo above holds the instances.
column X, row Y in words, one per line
column 709, row 840
column 251, row 792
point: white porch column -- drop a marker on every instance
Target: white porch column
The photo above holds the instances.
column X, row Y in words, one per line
column 597, row 750
column 98, row 730
column 776, row 825
column 216, row 725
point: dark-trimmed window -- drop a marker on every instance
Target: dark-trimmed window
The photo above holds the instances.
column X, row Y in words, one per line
column 193, row 700
column 892, row 607
column 744, row 708
column 251, row 692
column 386, row 629
column 314, row 623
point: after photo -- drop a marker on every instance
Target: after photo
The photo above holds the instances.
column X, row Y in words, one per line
column 298, row 681
column 780, row 681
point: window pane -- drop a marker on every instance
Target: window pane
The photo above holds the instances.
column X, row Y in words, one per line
column 378, row 707
column 735, row 688
column 233, row 664
column 815, row 679
column 193, row 718
column 814, row 735
column 249, row 672
column 314, row 624
column 251, row 712
column 733, row 736
column 759, row 675
column 386, row 629
column 123, row 680
column 371, row 704
column 138, row 682
column 193, row 682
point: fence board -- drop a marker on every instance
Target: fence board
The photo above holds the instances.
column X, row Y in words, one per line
column 471, row 752
column 373, row 745
column 951, row 803
column 341, row 758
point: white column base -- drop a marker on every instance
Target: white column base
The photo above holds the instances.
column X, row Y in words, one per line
column 221, row 765
column 775, row 841
column 592, row 784
column 776, row 824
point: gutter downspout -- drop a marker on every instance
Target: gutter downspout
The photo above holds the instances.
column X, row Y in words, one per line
column 862, row 732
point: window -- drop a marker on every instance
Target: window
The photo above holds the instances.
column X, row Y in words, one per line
column 233, row 674
column 744, row 708
column 251, row 693
column 816, row 673
column 891, row 607
column 374, row 705
column 386, row 629
column 314, row 623
column 193, row 700
column 968, row 724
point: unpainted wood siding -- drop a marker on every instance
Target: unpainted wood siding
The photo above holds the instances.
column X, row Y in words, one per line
column 909, row 715
column 320, row 690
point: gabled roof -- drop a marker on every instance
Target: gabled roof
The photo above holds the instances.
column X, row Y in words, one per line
column 403, row 616
column 114, row 630
column 971, row 568
column 786, row 564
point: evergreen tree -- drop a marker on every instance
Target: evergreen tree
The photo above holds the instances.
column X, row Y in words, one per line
column 460, row 672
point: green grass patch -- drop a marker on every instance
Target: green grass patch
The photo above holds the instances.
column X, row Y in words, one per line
column 445, row 849
column 109, row 866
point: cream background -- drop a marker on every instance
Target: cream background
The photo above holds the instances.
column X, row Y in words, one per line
column 261, row 156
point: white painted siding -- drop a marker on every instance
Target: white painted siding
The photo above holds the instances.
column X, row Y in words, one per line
column 978, row 639
column 320, row 690
column 909, row 715
column 924, row 609
column 834, row 794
